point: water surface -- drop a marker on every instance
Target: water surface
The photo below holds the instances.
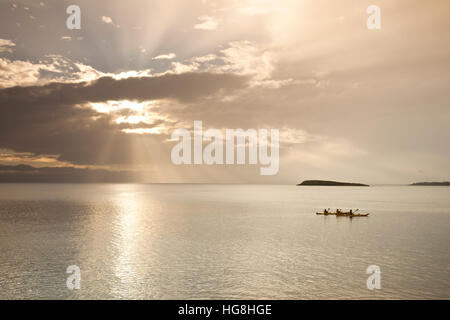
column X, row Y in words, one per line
column 187, row 241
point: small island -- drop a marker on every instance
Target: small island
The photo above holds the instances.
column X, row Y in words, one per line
column 330, row 183
column 445, row 183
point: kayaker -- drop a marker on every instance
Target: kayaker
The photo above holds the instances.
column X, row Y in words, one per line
column 351, row 212
column 325, row 211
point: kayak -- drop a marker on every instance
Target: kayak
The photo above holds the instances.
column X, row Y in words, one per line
column 331, row 213
column 352, row 215
column 343, row 214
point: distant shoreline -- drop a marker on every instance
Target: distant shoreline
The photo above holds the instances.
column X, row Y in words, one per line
column 444, row 183
column 331, row 183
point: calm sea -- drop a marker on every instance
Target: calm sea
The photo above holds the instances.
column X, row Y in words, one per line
column 222, row 241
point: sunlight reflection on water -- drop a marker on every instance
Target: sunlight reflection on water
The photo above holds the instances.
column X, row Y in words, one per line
column 222, row 241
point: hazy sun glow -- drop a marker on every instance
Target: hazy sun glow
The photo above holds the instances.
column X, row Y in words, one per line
column 155, row 130
column 112, row 106
column 138, row 112
column 132, row 119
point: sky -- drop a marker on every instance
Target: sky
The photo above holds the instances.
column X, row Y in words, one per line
column 100, row 103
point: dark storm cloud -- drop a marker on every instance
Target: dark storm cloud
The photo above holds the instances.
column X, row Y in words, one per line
column 183, row 87
column 24, row 173
column 48, row 120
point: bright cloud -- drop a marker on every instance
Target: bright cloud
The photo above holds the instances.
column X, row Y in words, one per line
column 107, row 20
column 207, row 23
column 6, row 45
column 245, row 58
column 53, row 68
column 169, row 56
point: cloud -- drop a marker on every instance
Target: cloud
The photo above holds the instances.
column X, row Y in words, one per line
column 245, row 58
column 57, row 118
column 183, row 87
column 240, row 57
column 53, row 68
column 25, row 173
column 109, row 20
column 6, row 45
column 168, row 56
column 8, row 157
column 307, row 71
column 207, row 23
column 179, row 67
